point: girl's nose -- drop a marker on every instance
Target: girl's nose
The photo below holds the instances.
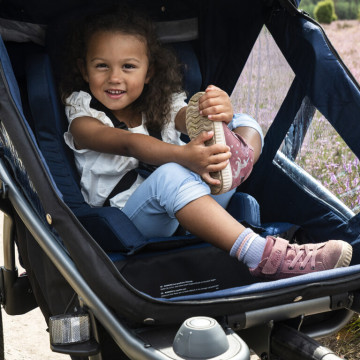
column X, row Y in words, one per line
column 115, row 76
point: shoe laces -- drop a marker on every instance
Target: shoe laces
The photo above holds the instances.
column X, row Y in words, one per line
column 306, row 253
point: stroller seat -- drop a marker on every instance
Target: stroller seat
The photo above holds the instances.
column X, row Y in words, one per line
column 109, row 226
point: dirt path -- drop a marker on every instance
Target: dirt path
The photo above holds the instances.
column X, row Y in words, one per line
column 26, row 338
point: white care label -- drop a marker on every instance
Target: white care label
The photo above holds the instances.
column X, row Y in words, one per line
column 188, row 287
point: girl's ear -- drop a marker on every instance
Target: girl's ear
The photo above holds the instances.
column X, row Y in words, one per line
column 149, row 75
column 82, row 68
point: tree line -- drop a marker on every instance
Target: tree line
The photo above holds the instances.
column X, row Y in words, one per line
column 326, row 11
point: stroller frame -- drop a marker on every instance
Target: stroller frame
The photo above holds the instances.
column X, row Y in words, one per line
column 261, row 320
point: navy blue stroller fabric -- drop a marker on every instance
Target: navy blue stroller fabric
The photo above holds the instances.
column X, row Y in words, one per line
column 281, row 200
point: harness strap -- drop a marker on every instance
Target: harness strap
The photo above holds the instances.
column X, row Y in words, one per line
column 125, row 183
column 97, row 105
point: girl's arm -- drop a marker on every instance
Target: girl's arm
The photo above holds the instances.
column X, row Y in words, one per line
column 90, row 133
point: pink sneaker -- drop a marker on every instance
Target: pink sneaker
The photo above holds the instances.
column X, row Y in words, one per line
column 242, row 159
column 282, row 260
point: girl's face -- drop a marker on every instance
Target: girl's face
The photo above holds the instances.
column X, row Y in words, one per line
column 116, row 68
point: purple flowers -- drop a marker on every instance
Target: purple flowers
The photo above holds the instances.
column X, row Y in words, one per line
column 329, row 160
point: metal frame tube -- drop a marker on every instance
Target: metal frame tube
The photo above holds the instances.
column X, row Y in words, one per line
column 288, row 343
column 8, row 243
column 129, row 344
column 312, row 186
column 287, row 311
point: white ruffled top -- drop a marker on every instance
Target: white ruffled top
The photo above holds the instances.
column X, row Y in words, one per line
column 100, row 172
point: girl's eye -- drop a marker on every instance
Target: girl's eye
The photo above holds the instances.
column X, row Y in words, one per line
column 101, row 66
column 129, row 66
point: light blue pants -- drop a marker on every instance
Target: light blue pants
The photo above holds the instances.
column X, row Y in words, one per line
column 152, row 207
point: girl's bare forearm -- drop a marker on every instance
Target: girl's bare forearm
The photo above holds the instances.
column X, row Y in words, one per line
column 153, row 151
column 89, row 133
column 180, row 120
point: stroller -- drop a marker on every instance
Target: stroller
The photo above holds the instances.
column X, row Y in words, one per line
column 105, row 291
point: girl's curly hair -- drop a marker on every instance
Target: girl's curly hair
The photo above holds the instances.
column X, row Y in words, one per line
column 166, row 79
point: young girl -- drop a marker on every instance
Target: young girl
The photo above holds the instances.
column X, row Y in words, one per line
column 121, row 86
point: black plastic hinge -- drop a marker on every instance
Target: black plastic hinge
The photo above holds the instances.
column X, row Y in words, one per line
column 341, row 301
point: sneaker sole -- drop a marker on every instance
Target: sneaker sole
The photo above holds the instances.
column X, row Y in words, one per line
column 346, row 256
column 195, row 124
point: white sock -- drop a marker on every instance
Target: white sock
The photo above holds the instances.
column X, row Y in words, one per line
column 248, row 248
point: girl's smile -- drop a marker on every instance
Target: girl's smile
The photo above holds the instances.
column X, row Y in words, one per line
column 115, row 94
column 116, row 68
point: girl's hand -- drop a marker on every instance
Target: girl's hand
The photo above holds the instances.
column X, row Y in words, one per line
column 203, row 159
column 216, row 105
